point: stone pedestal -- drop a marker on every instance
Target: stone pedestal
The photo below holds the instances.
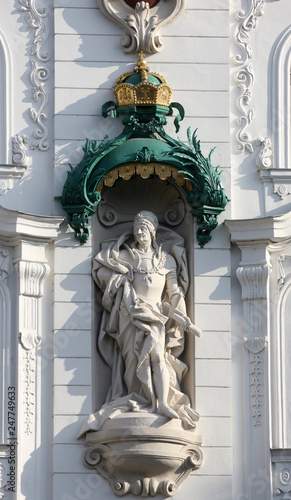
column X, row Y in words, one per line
column 143, row 453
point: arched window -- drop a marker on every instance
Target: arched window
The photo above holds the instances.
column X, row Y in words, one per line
column 281, row 101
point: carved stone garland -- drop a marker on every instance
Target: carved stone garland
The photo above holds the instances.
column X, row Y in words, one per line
column 39, row 73
column 141, row 25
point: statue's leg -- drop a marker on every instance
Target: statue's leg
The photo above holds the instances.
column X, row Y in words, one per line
column 126, row 339
column 161, row 380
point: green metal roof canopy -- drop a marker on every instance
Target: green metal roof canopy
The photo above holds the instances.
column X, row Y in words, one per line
column 143, row 104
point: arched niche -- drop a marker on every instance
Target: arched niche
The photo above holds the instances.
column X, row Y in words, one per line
column 143, row 187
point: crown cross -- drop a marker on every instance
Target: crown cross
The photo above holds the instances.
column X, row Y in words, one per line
column 142, row 67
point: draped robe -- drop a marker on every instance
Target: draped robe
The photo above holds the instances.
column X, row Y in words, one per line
column 132, row 324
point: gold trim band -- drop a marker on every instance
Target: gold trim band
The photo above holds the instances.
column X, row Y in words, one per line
column 144, row 170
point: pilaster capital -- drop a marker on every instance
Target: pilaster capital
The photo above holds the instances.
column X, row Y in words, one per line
column 254, row 281
column 31, row 277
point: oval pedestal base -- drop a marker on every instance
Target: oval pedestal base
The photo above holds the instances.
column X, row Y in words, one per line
column 143, row 454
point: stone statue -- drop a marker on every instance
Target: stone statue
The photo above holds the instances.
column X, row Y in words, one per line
column 143, row 284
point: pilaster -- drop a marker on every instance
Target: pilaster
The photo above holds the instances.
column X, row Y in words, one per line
column 254, row 237
column 27, row 382
column 253, row 274
column 31, row 276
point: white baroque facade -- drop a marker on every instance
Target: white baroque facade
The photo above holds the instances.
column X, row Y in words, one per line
column 228, row 63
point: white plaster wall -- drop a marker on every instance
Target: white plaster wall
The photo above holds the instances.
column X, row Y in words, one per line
column 250, row 197
column 33, row 192
column 195, row 63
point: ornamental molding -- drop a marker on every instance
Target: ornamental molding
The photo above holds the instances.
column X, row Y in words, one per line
column 150, row 459
column 281, row 101
column 284, row 264
column 29, row 369
column 244, row 77
column 5, row 487
column 254, row 319
column 9, row 174
column 256, row 381
column 264, row 158
column 281, row 424
column 280, row 178
column 4, row 265
column 19, row 149
column 270, row 229
column 3, row 481
column 39, row 74
column 6, row 106
column 256, row 344
column 16, row 225
column 31, row 277
column 253, row 275
column 247, row 22
column 253, row 280
column 5, row 340
column 141, row 25
column 282, row 474
column 245, row 81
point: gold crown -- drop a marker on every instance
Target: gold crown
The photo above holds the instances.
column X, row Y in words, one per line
column 151, row 89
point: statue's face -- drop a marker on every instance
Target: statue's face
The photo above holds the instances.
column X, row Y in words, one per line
column 142, row 233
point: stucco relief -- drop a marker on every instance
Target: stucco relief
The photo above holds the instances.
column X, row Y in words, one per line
column 143, row 278
column 39, row 73
column 245, row 77
column 281, row 474
column 141, row 21
column 3, row 481
column 254, row 283
column 31, row 278
column 265, row 156
column 5, row 335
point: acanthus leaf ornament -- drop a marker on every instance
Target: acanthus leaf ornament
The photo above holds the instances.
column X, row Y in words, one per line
column 141, row 28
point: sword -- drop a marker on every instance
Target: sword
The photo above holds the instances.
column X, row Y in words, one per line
column 182, row 320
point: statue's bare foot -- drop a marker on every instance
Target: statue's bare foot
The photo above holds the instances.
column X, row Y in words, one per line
column 167, row 411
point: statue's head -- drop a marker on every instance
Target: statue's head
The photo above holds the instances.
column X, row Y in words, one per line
column 148, row 220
